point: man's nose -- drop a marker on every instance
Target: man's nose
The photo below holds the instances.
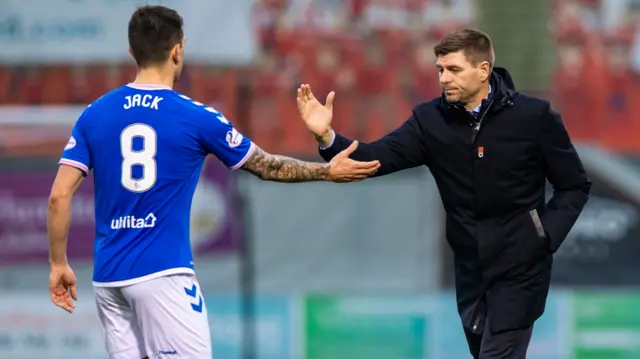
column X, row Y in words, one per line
column 445, row 77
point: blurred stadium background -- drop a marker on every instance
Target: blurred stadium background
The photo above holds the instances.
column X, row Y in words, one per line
column 324, row 271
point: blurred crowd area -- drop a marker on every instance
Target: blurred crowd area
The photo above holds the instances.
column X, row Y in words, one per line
column 377, row 56
column 596, row 84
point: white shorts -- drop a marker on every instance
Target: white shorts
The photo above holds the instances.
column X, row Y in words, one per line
column 162, row 318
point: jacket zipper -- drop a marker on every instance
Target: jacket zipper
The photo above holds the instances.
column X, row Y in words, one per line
column 474, row 137
column 475, row 324
column 481, row 312
column 478, row 125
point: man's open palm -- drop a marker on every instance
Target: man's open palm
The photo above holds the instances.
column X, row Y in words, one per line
column 315, row 115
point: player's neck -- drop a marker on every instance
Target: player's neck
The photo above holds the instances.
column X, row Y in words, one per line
column 154, row 76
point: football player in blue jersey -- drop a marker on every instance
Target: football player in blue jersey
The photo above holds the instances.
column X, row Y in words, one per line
column 146, row 145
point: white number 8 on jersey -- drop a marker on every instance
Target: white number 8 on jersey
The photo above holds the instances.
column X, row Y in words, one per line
column 144, row 158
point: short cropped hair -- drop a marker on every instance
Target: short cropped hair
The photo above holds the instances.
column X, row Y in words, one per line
column 153, row 32
column 475, row 44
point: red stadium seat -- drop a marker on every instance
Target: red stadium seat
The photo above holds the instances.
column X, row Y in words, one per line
column 56, row 82
column 29, row 90
column 5, row 85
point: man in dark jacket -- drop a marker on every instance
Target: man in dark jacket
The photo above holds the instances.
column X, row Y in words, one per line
column 490, row 150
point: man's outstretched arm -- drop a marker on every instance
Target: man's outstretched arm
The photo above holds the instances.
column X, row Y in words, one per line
column 219, row 137
column 270, row 167
column 401, row 149
column 285, row 169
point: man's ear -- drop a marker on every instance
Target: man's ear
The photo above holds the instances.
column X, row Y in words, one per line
column 485, row 69
column 175, row 53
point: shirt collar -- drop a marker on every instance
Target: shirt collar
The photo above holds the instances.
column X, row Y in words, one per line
column 477, row 109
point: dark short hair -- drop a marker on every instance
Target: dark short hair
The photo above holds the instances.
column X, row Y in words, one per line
column 475, row 44
column 153, row 32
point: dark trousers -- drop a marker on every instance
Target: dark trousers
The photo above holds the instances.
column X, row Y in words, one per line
column 512, row 344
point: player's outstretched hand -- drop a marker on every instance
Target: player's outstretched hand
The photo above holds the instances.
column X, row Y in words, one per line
column 344, row 169
column 62, row 286
column 315, row 115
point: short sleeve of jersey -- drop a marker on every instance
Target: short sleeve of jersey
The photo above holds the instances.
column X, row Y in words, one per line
column 76, row 152
column 220, row 138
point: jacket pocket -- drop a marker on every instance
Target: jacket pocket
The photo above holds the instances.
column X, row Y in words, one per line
column 537, row 223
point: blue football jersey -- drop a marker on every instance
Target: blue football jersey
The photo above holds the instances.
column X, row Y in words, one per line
column 146, row 146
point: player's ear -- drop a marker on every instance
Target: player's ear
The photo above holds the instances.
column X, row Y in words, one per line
column 485, row 70
column 175, row 54
column 131, row 53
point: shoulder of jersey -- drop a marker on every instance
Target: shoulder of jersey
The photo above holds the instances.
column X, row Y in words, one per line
column 196, row 106
column 102, row 100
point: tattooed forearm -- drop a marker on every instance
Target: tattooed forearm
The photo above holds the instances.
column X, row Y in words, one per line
column 284, row 169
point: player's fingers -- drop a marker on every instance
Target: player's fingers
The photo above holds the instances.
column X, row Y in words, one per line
column 330, row 97
column 371, row 164
column 66, row 307
column 307, row 92
column 364, row 171
column 361, row 170
column 73, row 292
column 365, row 165
column 61, row 302
column 310, row 93
column 70, row 304
column 368, row 172
column 300, row 94
column 352, row 147
column 360, row 174
column 301, row 108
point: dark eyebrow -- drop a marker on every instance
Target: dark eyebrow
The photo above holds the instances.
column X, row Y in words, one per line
column 450, row 67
